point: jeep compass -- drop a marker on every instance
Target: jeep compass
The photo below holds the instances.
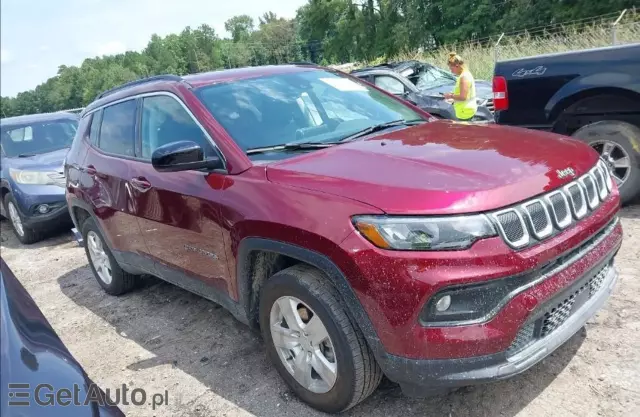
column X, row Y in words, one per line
column 361, row 236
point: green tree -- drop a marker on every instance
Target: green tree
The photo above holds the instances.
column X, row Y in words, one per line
column 324, row 31
column 240, row 27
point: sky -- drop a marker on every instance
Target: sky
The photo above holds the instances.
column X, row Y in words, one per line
column 37, row 36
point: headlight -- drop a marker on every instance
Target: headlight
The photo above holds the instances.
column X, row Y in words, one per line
column 424, row 233
column 31, row 177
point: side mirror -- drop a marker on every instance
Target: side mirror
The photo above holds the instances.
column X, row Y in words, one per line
column 182, row 156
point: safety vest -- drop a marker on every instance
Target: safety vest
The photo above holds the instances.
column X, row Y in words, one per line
column 466, row 109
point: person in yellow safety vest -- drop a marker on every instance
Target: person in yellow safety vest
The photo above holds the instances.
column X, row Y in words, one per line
column 464, row 93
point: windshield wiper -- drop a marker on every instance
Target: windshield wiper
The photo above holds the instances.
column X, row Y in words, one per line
column 381, row 126
column 291, row 147
column 26, row 155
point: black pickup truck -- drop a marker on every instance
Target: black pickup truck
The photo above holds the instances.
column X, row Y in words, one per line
column 592, row 95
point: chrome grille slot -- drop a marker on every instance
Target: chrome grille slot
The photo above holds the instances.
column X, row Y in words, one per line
column 490, row 105
column 539, row 219
column 591, row 191
column 578, row 200
column 559, row 205
column 599, row 176
column 512, row 227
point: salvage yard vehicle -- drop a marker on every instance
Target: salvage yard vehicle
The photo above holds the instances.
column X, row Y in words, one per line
column 32, row 150
column 33, row 358
column 360, row 236
column 592, row 95
column 424, row 85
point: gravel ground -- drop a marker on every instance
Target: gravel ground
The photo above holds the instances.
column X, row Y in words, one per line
column 163, row 338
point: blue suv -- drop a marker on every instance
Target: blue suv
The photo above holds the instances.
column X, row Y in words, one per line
column 32, row 150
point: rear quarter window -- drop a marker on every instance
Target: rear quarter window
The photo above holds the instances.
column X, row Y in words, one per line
column 94, row 129
column 117, row 130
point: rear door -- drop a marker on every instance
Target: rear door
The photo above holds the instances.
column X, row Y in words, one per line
column 179, row 212
column 106, row 180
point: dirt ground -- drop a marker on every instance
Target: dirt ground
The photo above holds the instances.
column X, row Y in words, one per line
column 163, row 338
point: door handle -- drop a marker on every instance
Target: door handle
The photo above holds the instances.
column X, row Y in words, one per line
column 140, row 184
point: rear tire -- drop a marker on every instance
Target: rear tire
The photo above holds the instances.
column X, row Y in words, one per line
column 113, row 279
column 624, row 138
column 25, row 234
column 355, row 373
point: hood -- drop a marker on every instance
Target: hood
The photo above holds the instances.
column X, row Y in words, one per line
column 484, row 89
column 50, row 161
column 440, row 167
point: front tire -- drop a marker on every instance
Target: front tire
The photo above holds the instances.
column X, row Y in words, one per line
column 618, row 143
column 25, row 234
column 113, row 279
column 316, row 348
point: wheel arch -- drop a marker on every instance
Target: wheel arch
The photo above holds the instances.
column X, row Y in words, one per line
column 596, row 101
column 79, row 211
column 283, row 254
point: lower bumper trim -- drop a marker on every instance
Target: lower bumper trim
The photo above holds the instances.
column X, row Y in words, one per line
column 53, row 219
column 428, row 377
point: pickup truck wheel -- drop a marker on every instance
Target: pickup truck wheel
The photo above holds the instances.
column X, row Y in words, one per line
column 113, row 279
column 618, row 143
column 25, row 234
column 314, row 345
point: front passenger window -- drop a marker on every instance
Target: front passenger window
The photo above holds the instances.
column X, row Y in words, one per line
column 164, row 120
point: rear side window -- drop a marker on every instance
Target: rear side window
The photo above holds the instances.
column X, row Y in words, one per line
column 117, row 131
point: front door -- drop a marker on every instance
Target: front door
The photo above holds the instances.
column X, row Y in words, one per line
column 179, row 212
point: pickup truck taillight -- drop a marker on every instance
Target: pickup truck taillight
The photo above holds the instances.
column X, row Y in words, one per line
column 500, row 96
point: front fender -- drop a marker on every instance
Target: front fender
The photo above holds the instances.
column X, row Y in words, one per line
column 315, row 259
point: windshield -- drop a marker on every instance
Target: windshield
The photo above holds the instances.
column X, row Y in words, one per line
column 308, row 106
column 433, row 77
column 36, row 138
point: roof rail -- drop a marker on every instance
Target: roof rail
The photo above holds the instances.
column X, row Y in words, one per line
column 164, row 77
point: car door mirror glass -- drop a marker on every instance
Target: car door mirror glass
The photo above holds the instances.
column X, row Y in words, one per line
column 183, row 156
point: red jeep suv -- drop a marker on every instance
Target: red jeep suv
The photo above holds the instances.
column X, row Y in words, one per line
column 360, row 236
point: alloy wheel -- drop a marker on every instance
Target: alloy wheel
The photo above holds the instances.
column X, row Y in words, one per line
column 15, row 218
column 99, row 258
column 616, row 158
column 303, row 344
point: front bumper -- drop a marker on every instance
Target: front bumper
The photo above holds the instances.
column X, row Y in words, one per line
column 425, row 377
column 29, row 197
column 55, row 218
